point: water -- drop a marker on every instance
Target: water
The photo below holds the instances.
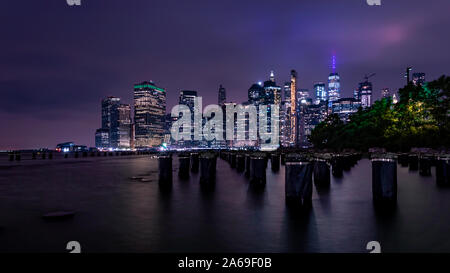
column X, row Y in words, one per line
column 116, row 213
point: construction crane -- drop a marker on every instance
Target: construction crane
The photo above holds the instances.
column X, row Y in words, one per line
column 367, row 77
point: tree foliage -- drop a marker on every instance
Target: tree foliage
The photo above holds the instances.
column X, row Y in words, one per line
column 420, row 119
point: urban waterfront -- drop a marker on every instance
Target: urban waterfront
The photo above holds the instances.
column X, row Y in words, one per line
column 120, row 207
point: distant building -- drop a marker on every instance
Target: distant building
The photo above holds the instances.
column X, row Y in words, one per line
column 222, row 98
column 418, row 78
column 385, row 93
column 321, row 92
column 67, row 147
column 187, row 97
column 287, row 92
column 102, row 138
column 365, row 93
column 149, row 114
column 310, row 116
column 116, row 125
column 303, row 97
column 334, row 87
column 356, row 94
column 256, row 94
column 120, row 132
column 345, row 107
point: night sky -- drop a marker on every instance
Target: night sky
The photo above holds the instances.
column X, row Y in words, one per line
column 58, row 62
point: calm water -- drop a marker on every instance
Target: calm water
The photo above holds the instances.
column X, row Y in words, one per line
column 118, row 214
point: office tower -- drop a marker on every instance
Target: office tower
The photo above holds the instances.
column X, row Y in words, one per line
column 272, row 93
column 365, row 93
column 293, row 107
column 108, row 107
column 187, row 97
column 418, row 78
column 149, row 113
column 222, row 96
column 385, row 93
column 345, row 107
column 321, row 93
column 120, row 132
column 312, row 115
column 334, row 87
column 334, row 84
column 356, row 94
column 303, row 97
column 256, row 94
column 102, row 138
column 287, row 92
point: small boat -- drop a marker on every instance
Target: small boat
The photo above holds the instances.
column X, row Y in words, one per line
column 58, row 215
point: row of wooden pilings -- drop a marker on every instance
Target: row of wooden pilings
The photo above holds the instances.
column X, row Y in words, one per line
column 18, row 156
column 302, row 170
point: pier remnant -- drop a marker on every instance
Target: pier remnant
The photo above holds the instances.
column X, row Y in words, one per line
column 384, row 178
column 165, row 170
column 298, row 180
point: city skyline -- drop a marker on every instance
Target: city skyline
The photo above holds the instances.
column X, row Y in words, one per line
column 52, row 84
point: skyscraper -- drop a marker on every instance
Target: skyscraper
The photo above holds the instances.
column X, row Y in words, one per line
column 287, row 92
column 334, row 87
column 293, row 107
column 149, row 114
column 116, row 125
column 187, row 97
column 108, row 106
column 365, row 93
column 222, row 96
column 321, row 93
column 334, row 84
column 121, row 127
column 303, row 97
column 256, row 94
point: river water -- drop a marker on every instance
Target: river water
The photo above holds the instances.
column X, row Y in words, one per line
column 120, row 208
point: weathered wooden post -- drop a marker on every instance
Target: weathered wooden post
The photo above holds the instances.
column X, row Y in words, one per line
column 336, row 164
column 413, row 160
column 384, row 178
column 185, row 162
column 240, row 163
column 208, row 162
column 194, row 162
column 425, row 165
column 442, row 170
column 247, row 165
column 165, row 170
column 258, row 170
column 298, row 180
column 233, row 160
column 275, row 162
column 322, row 171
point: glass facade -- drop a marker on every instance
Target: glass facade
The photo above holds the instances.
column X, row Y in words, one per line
column 149, row 114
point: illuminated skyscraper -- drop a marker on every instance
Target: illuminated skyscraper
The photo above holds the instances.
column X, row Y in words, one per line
column 321, row 92
column 293, row 107
column 365, row 93
column 222, row 96
column 256, row 94
column 108, row 106
column 187, row 97
column 334, row 84
column 149, row 114
column 121, row 127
